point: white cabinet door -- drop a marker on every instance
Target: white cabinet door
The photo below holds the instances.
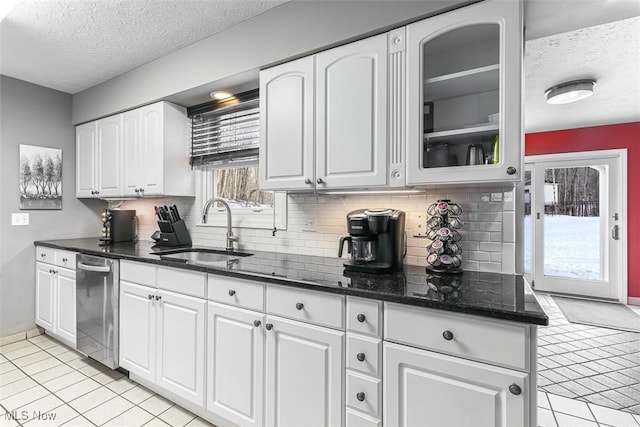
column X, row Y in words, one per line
column 45, row 297
column 423, row 388
column 65, row 319
column 152, row 142
column 351, row 115
column 286, row 126
column 131, row 172
column 138, row 329
column 235, row 364
column 85, row 160
column 180, row 345
column 304, row 374
column 108, row 156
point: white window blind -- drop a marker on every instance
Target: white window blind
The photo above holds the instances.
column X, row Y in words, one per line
column 226, row 131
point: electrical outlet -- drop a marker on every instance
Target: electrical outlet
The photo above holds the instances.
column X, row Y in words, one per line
column 19, row 219
column 309, row 223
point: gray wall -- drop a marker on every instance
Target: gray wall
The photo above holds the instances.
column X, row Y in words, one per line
column 289, row 30
column 34, row 115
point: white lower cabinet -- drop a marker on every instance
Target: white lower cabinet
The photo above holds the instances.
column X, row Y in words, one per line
column 162, row 339
column 425, row 388
column 304, row 374
column 235, row 364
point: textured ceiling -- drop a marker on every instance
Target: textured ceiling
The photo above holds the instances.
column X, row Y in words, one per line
column 608, row 53
column 71, row 45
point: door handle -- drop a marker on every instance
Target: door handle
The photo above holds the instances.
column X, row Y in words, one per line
column 615, row 232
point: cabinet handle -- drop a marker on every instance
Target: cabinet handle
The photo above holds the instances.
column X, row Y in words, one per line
column 515, row 389
column 43, row 255
column 142, row 191
column 97, row 192
column 299, row 306
column 50, row 271
column 231, row 292
column 319, row 181
column 158, row 297
column 361, row 318
column 511, row 170
column 269, row 326
column 137, row 190
column 360, row 396
column 447, row 335
column 308, row 181
column 256, row 323
column 150, row 296
column 64, row 260
column 360, row 357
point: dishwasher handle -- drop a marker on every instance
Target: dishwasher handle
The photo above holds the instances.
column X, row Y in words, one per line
column 95, row 268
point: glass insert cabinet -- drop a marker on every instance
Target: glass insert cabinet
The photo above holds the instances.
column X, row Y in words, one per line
column 464, row 95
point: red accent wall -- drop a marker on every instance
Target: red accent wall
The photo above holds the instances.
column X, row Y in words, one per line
column 624, row 135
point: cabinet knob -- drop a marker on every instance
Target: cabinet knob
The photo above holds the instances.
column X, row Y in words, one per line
column 515, row 389
column 142, row 191
column 137, row 190
column 97, row 192
column 256, row 323
column 231, row 292
column 269, row 326
column 447, row 335
column 360, row 396
column 319, row 181
column 43, row 255
column 308, row 181
column 299, row 306
column 361, row 318
column 150, row 296
column 158, row 297
column 64, row 260
column 511, row 170
column 50, row 271
column 360, row 357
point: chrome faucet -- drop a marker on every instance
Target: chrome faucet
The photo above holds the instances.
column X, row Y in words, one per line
column 230, row 237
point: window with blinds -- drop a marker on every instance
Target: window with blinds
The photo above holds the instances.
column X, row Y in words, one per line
column 225, row 131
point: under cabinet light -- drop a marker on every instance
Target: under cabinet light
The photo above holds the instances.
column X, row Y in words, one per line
column 572, row 91
column 369, row 193
column 220, row 95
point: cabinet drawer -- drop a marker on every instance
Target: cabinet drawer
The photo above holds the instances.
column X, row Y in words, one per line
column 137, row 272
column 47, row 255
column 357, row 419
column 182, row 281
column 364, row 316
column 66, row 259
column 365, row 348
column 366, row 388
column 498, row 342
column 308, row 306
column 238, row 292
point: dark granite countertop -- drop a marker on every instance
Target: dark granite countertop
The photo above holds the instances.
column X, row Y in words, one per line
column 494, row 295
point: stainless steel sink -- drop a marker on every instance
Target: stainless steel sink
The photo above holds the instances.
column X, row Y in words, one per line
column 201, row 256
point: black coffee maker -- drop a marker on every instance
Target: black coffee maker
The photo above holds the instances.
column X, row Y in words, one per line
column 375, row 241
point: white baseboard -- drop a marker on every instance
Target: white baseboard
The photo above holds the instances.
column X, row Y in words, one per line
column 633, row 301
column 10, row 339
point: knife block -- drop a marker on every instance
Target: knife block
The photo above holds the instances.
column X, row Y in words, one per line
column 179, row 236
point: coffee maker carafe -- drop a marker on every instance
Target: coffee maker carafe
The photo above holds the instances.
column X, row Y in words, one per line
column 375, row 240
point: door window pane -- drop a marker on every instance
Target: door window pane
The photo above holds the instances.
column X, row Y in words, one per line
column 528, row 248
column 572, row 222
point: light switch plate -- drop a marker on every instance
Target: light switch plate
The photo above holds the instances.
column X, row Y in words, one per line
column 19, row 219
column 309, row 223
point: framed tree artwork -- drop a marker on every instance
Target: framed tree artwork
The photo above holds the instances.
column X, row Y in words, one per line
column 40, row 177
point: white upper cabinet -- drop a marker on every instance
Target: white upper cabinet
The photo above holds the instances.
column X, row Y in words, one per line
column 286, row 125
column 464, row 95
column 351, row 115
column 142, row 152
column 340, row 129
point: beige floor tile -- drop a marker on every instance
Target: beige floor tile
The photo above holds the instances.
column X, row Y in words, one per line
column 121, row 385
column 55, row 417
column 35, row 409
column 108, row 410
column 137, row 394
column 107, row 376
column 32, row 358
column 81, row 363
column 78, row 389
column 176, row 416
column 68, row 356
column 22, row 351
column 545, row 418
column 565, row 420
column 570, row 406
column 43, row 338
column 7, row 367
column 79, row 422
column 11, row 376
column 7, row 419
column 57, row 349
column 133, row 417
column 16, row 387
column 92, row 399
column 92, row 370
column 27, row 396
column 199, row 422
column 3, row 359
column 64, row 381
column 611, row 417
column 49, row 374
column 156, row 404
column 14, row 346
column 156, row 422
column 42, row 365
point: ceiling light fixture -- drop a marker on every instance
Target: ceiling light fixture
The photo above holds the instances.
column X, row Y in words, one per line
column 572, row 91
column 220, row 95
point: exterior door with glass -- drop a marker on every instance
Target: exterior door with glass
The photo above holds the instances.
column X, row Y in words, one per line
column 574, row 224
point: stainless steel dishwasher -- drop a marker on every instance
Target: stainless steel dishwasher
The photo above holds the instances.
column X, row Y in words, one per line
column 97, row 308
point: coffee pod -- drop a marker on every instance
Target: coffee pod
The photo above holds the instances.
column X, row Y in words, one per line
column 434, row 260
column 437, row 247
